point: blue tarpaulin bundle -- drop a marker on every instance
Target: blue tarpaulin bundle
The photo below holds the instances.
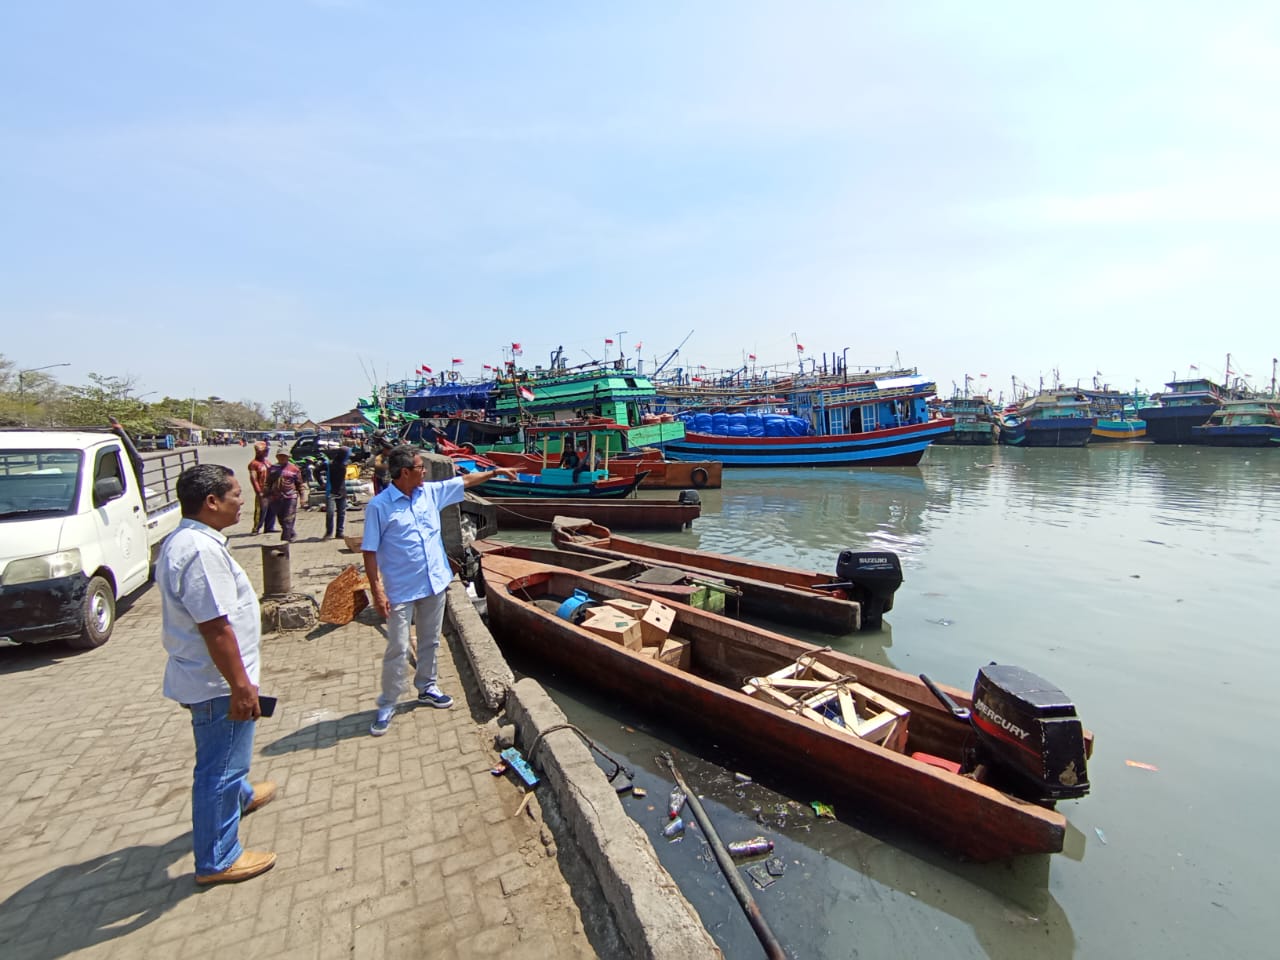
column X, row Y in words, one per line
column 745, row 424
column 450, row 398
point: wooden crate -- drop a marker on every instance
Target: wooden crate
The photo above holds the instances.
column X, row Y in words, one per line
column 841, row 703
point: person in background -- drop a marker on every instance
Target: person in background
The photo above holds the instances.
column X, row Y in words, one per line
column 263, row 520
column 408, row 571
column 335, row 502
column 211, row 628
column 285, row 491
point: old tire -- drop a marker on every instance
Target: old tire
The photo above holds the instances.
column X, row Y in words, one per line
column 698, row 477
column 98, row 615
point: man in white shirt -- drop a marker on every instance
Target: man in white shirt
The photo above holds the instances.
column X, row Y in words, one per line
column 211, row 626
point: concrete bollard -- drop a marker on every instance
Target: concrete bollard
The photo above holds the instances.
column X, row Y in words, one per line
column 277, row 575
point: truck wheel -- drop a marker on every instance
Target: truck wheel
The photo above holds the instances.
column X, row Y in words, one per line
column 98, row 615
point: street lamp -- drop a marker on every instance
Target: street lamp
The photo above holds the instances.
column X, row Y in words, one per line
column 22, row 374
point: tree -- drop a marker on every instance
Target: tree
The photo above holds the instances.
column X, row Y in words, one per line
column 105, row 396
column 285, row 413
column 26, row 396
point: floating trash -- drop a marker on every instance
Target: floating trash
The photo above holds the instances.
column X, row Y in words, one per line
column 1101, row 836
column 760, row 876
column 639, row 792
column 821, row 809
column 742, row 778
column 942, row 622
column 674, row 828
column 776, row 866
column 750, row 848
column 1141, row 766
column 675, row 802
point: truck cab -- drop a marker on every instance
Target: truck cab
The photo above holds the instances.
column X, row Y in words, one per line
column 81, row 520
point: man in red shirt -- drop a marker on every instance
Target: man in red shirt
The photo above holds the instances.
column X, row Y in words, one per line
column 285, row 490
column 262, row 518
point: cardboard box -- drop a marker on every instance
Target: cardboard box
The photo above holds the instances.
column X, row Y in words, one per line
column 676, row 653
column 656, row 623
column 630, row 607
column 611, row 625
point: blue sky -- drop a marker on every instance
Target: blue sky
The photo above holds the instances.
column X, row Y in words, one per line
column 236, row 198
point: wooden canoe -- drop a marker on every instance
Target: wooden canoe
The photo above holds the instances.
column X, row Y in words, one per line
column 966, row 817
column 660, row 474
column 770, row 592
column 538, row 514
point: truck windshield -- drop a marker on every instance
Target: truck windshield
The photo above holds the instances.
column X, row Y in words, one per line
column 38, row 482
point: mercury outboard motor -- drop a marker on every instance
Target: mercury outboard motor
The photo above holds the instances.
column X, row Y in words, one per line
column 1028, row 736
column 689, row 497
column 869, row 577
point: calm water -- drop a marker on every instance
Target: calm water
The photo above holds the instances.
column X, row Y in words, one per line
column 1142, row 580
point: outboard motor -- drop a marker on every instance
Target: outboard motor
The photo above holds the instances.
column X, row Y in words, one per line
column 871, row 578
column 1028, row 736
column 689, row 497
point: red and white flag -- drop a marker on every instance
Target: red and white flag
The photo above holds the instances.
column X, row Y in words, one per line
column 425, row 368
column 799, row 348
column 516, row 350
column 639, row 345
column 525, row 393
column 457, row 360
column 751, row 356
column 607, row 340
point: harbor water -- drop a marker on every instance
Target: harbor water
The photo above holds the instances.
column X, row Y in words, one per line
column 1141, row 579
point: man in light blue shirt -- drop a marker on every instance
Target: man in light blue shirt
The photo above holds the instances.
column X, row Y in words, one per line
column 211, row 628
column 408, row 572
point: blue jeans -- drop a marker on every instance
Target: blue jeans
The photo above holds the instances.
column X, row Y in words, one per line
column 335, row 503
column 427, row 614
column 220, row 788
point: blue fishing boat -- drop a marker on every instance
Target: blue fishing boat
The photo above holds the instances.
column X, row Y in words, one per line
column 1241, row 423
column 828, row 420
column 1185, row 404
column 1052, row 418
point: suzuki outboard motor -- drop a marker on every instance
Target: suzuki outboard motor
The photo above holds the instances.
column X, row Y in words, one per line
column 871, row 578
column 1028, row 736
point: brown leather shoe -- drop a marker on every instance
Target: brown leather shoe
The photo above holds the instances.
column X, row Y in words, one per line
column 249, row 864
column 263, row 793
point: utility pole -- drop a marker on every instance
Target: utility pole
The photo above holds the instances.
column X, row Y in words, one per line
column 22, row 403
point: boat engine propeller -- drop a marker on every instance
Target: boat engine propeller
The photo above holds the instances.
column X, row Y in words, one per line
column 1028, row 740
column 871, row 577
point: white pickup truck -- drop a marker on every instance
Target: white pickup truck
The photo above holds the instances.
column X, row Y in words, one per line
column 82, row 515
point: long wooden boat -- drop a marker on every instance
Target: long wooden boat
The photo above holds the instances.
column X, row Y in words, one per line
column 665, row 583
column 538, row 514
column 545, row 486
column 891, row 748
column 802, row 597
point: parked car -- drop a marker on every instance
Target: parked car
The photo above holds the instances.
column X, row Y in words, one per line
column 81, row 521
column 311, row 444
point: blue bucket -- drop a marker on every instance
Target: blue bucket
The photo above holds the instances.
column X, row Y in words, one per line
column 570, row 606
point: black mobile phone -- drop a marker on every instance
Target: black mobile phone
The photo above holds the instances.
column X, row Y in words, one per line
column 267, row 705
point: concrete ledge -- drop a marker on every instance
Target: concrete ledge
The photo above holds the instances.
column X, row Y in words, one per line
column 653, row 916
column 487, row 662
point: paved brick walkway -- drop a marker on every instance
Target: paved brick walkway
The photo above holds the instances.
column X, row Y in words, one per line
column 402, row 846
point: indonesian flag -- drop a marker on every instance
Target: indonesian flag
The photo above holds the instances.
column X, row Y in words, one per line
column 525, row 393
column 639, row 345
column 457, row 360
column 607, row 340
column 516, row 350
column 425, row 368
column 799, row 348
column 1194, row 367
column 982, row 374
column 487, row 367
column 751, row 356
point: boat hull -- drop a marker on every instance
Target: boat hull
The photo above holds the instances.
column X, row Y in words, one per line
column 660, row 474
column 969, row 818
column 1258, row 435
column 599, row 490
column 1175, row 424
column 1047, row 433
column 536, row 514
column 969, row 435
column 895, row 447
column 774, row 593
column 1113, row 431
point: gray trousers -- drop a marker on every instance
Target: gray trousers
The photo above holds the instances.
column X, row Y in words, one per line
column 428, row 616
